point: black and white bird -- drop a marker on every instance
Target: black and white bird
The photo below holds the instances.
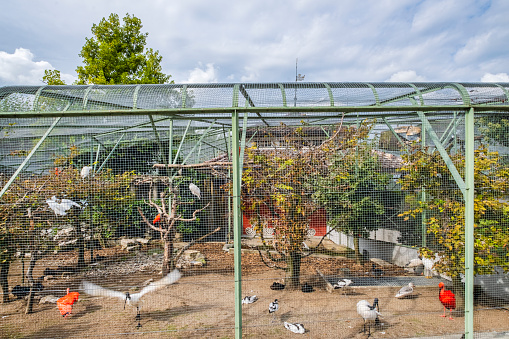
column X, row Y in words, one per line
column 342, row 284
column 195, row 190
column 405, row 291
column 273, row 307
column 369, row 313
column 249, row 299
column 295, row 327
column 128, row 298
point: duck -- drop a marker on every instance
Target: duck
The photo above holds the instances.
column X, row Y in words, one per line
column 377, row 272
column 369, row 313
column 405, row 291
column 277, row 286
column 295, row 327
column 128, row 298
column 448, row 300
column 249, row 299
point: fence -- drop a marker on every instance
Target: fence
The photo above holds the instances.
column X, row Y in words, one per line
column 193, row 198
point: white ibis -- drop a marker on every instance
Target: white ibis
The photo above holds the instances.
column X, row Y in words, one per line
column 405, row 291
column 428, row 263
column 249, row 299
column 85, row 171
column 131, row 299
column 295, row 328
column 195, row 190
column 61, row 208
column 368, row 313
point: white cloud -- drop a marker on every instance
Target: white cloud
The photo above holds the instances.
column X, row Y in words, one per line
column 499, row 77
column 406, row 76
column 20, row 68
column 199, row 75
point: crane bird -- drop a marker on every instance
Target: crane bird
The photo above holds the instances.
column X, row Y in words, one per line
column 295, row 328
column 194, row 189
column 85, row 171
column 131, row 299
column 61, row 208
column 273, row 307
column 368, row 313
column 406, row 291
column 448, row 299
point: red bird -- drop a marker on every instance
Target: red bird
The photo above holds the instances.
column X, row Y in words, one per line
column 447, row 299
column 65, row 303
column 157, row 218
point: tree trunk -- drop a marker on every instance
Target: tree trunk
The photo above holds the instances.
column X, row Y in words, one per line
column 459, row 292
column 30, row 278
column 81, row 246
column 358, row 256
column 168, row 258
column 4, row 283
column 293, row 270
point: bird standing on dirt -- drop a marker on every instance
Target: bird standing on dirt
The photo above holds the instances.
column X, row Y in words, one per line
column 131, row 299
column 368, row 313
column 65, row 303
column 448, row 299
column 195, row 190
column 295, row 328
column 406, row 291
column 273, row 307
column 249, row 299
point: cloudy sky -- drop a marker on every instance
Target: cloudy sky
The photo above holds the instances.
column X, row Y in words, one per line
column 259, row 40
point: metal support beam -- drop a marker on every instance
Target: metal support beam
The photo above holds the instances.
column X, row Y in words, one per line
column 110, row 154
column 182, row 141
column 29, row 156
column 440, row 148
column 469, row 224
column 237, row 225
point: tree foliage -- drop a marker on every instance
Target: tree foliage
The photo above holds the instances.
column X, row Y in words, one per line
column 445, row 209
column 116, row 54
column 353, row 187
column 52, row 77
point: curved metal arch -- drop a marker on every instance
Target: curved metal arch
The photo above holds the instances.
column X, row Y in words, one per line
column 37, row 96
column 375, row 93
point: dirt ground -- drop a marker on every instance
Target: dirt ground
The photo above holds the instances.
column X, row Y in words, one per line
column 200, row 304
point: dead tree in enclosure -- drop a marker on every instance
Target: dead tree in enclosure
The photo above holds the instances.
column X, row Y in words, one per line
column 169, row 206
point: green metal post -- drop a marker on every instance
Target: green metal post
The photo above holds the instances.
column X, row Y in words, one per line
column 29, row 156
column 237, row 224
column 110, row 154
column 469, row 224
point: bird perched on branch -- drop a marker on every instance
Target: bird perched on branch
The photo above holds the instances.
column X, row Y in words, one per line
column 156, row 219
column 195, row 190
column 448, row 299
column 131, row 299
column 85, row 171
column 66, row 302
column 369, row 313
column 61, row 206
column 295, row 328
column 406, row 291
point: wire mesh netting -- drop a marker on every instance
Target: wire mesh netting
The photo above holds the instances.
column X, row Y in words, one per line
column 119, row 213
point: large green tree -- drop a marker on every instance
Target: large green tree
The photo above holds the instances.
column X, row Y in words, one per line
column 116, row 54
column 445, row 211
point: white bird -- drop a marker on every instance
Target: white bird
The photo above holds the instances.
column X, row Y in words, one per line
column 368, row 313
column 342, row 284
column 85, row 171
column 61, row 208
column 405, row 291
column 428, row 263
column 295, row 328
column 131, row 299
column 273, row 307
column 195, row 190
column 249, row 299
